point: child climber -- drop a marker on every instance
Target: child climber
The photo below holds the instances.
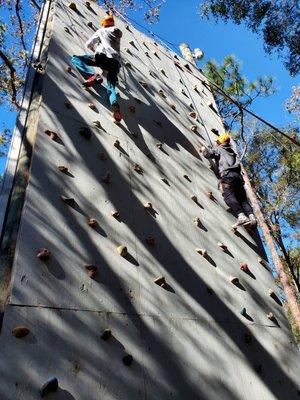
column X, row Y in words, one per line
column 231, row 180
column 105, row 43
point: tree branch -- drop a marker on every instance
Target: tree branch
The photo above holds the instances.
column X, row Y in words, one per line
column 17, row 9
column 12, row 72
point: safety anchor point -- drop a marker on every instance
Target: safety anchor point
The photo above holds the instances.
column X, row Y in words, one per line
column 92, row 222
column 244, row 267
column 91, row 270
column 50, row 386
column 122, row 250
column 43, row 254
column 202, row 252
column 106, row 334
column 150, row 240
column 127, row 360
column 161, row 281
column 20, row 331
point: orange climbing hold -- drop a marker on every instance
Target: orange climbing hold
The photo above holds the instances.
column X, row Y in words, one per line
column 244, row 267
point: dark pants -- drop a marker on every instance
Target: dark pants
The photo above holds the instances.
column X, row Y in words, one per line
column 234, row 193
column 111, row 65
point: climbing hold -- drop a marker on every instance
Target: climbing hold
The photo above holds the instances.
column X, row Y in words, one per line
column 97, row 124
column 222, row 246
column 115, row 214
column 88, row 4
column 72, row 6
column 106, row 334
column 150, row 240
column 243, row 312
column 68, row 200
column 20, row 331
column 210, row 291
column 90, row 24
column 210, row 104
column 43, row 254
column 196, row 221
column 185, row 175
column 69, row 69
column 271, row 316
column 244, row 267
column 137, row 100
column 92, row 222
column 173, row 106
column 234, row 229
column 209, row 194
column 195, row 87
column 165, row 180
column 127, row 360
column 271, row 293
column 117, row 143
column 85, row 132
column 202, row 252
column 175, row 56
column 92, row 106
column 180, row 81
column 131, row 109
column 191, row 105
column 148, row 206
column 128, row 64
column 193, row 128
column 51, row 385
column 261, row 261
column 144, row 84
column 183, row 92
column 247, row 337
column 144, row 43
column 234, row 280
column 51, row 134
column 155, row 53
column 147, row 54
column 132, row 43
column 68, row 105
column 126, row 50
column 159, row 146
column 215, row 131
column 127, row 27
column 122, row 250
column 162, row 93
column 102, row 156
column 137, row 168
column 187, row 66
column 63, row 169
column 194, row 198
column 162, row 71
column 106, row 178
column 91, row 270
column 161, row 281
column 192, row 114
column 66, row 29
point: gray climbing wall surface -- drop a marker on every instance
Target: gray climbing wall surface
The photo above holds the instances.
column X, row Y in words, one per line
column 187, row 337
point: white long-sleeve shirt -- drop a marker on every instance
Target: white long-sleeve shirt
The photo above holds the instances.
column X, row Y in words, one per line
column 106, row 41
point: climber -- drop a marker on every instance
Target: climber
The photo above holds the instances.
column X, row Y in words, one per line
column 105, row 43
column 231, row 180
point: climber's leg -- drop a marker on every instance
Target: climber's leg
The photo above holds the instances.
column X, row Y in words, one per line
column 84, row 64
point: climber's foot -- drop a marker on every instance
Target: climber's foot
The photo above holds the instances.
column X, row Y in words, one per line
column 96, row 78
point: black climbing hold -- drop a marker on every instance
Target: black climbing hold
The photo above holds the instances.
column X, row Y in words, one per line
column 51, row 385
column 127, row 360
column 106, row 334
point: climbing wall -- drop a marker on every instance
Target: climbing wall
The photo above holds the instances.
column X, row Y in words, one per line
column 183, row 313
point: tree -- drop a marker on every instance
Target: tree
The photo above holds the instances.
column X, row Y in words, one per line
column 292, row 105
column 229, row 78
column 278, row 22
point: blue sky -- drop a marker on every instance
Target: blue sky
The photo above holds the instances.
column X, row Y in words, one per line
column 181, row 22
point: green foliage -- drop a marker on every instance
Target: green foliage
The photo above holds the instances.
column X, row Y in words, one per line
column 277, row 21
column 228, row 76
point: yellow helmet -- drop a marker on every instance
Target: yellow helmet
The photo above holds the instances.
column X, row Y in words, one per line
column 108, row 20
column 223, row 138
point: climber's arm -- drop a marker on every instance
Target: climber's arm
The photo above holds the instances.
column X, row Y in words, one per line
column 209, row 152
column 94, row 40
